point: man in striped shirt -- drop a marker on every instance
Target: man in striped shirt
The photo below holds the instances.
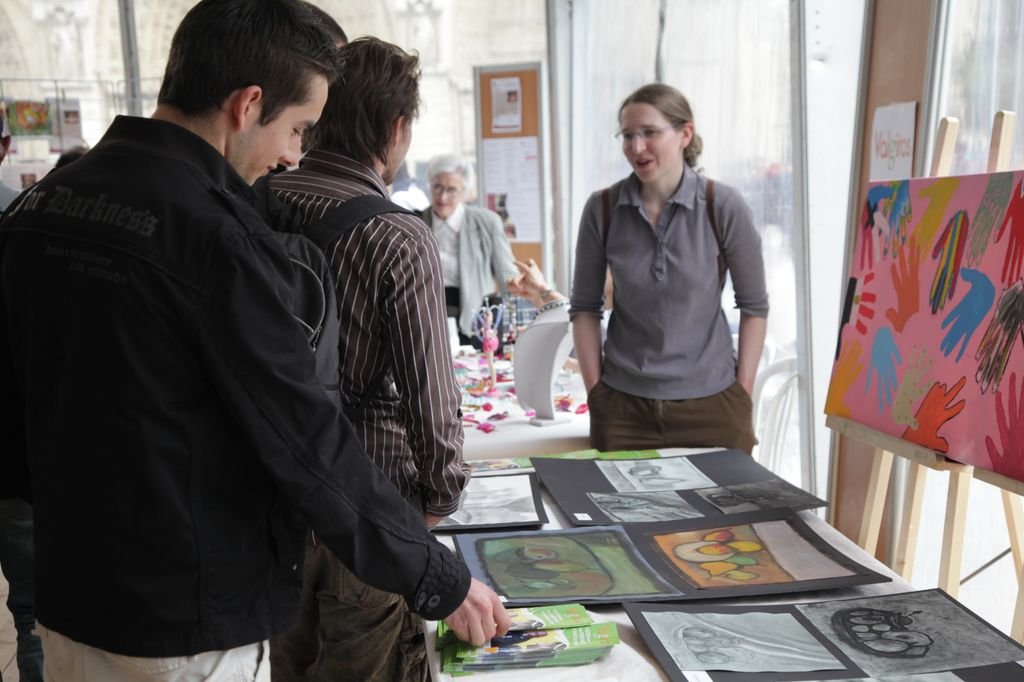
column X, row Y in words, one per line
column 391, row 305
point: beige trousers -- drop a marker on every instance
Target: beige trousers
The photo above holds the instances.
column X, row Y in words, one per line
column 65, row 660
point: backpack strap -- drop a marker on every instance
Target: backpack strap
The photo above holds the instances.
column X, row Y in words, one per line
column 338, row 221
column 280, row 215
column 335, row 223
column 606, row 215
column 709, row 196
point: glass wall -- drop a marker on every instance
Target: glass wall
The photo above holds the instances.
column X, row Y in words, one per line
column 731, row 58
column 72, row 40
column 983, row 75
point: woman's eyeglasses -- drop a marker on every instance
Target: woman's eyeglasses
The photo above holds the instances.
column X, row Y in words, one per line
column 628, row 137
column 445, row 190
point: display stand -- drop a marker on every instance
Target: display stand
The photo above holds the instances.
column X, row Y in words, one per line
column 540, row 352
column 921, row 459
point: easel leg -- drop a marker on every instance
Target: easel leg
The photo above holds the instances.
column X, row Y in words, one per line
column 874, row 505
column 906, row 549
column 953, row 535
column 1014, row 526
column 1017, row 629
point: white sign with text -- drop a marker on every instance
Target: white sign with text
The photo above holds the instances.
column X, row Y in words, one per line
column 892, row 142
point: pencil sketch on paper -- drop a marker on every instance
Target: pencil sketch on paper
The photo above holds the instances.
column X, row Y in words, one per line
column 744, row 642
column 640, row 507
column 915, row 632
column 504, row 500
column 654, row 474
column 771, row 494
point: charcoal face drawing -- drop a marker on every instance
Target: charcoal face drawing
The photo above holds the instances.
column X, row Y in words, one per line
column 653, row 475
column 640, row 507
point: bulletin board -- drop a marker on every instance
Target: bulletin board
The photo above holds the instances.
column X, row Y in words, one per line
column 511, row 159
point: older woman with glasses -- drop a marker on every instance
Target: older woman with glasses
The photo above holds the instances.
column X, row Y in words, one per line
column 475, row 254
column 668, row 375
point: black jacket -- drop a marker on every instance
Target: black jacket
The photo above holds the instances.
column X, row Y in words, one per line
column 177, row 437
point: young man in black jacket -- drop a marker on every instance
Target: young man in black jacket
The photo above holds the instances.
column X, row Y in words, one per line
column 177, row 438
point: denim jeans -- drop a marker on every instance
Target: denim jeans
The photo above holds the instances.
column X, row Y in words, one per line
column 16, row 553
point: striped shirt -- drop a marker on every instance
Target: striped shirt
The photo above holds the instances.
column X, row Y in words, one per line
column 392, row 311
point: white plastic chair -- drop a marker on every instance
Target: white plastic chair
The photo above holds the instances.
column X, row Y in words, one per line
column 775, row 395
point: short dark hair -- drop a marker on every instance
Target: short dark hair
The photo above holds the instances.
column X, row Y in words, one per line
column 379, row 84
column 225, row 45
column 328, row 25
column 73, row 154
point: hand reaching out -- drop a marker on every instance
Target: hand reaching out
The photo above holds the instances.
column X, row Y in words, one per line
column 848, row 368
column 884, row 358
column 480, row 617
column 936, row 409
column 1009, row 462
column 968, row 313
column 530, row 283
column 912, row 387
column 906, row 282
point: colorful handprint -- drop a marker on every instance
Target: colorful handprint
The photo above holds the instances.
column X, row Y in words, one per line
column 1014, row 219
column 1000, row 338
column 884, row 358
column 988, row 215
column 1010, row 423
column 936, row 410
column 906, row 282
column 949, row 250
column 938, row 194
column 865, row 302
column 847, row 368
column 876, row 195
column 913, row 386
column 968, row 313
column 897, row 208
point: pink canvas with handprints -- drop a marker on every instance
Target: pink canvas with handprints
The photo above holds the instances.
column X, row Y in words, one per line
column 931, row 347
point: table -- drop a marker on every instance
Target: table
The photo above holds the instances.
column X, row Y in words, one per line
column 631, row 660
column 517, row 437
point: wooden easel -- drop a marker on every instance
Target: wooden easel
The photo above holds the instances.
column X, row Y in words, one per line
column 921, row 459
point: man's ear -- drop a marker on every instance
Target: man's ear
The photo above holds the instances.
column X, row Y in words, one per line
column 399, row 127
column 244, row 106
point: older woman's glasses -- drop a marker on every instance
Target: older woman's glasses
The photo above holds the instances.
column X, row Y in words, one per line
column 649, row 134
column 439, row 190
